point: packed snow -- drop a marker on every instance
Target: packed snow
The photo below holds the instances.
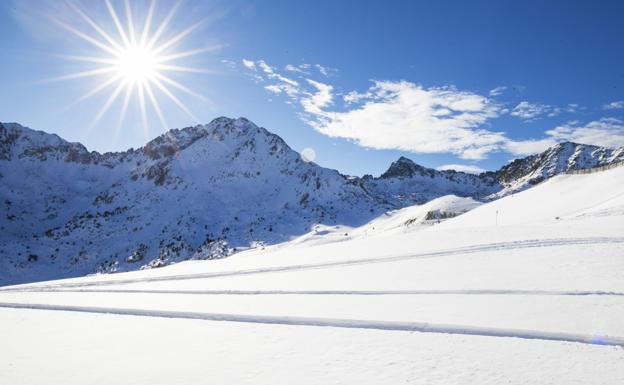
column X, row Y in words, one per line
column 527, row 289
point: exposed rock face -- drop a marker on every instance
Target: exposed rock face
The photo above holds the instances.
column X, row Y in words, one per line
column 525, row 172
column 406, row 168
column 205, row 192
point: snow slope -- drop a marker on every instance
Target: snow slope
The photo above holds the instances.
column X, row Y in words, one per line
column 408, row 219
column 208, row 191
column 536, row 298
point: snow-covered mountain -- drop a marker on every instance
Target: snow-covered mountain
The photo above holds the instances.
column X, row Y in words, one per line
column 205, row 192
column 406, row 183
column 523, row 173
column 536, row 296
column 199, row 192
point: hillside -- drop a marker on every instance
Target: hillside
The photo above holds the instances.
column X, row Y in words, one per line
column 205, row 192
column 453, row 303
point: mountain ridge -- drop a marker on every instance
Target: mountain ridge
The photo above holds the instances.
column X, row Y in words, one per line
column 204, row 192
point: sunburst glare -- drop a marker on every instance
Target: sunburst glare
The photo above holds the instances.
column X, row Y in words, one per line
column 135, row 61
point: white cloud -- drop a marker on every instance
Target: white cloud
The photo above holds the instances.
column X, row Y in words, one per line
column 396, row 115
column 271, row 74
column 306, row 69
column 322, row 70
column 325, row 71
column 322, row 98
column 461, row 168
column 572, row 107
column 555, row 111
column 229, row 63
column 498, row 91
column 249, row 64
column 401, row 115
column 293, row 68
column 406, row 116
column 530, row 111
column 606, row 132
column 261, row 71
column 273, row 88
column 617, row 105
column 355, row 97
column 528, row 147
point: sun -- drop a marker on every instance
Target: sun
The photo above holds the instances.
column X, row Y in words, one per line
column 135, row 62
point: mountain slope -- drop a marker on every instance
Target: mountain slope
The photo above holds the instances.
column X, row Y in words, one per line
column 205, row 192
column 192, row 193
column 568, row 156
column 453, row 304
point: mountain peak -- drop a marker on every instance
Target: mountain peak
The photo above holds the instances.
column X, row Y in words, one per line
column 175, row 140
column 405, row 168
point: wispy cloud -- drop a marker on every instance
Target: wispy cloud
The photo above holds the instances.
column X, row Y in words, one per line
column 325, row 71
column 528, row 147
column 308, row 69
column 530, row 111
column 572, row 107
column 607, row 132
column 229, row 63
column 300, row 69
column 355, row 97
column 461, row 168
column 262, row 71
column 314, row 103
column 273, row 88
column 402, row 115
column 498, row 91
column 249, row 64
column 617, row 105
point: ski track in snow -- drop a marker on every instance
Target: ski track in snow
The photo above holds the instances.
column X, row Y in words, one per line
column 531, row 243
column 422, row 327
column 343, row 292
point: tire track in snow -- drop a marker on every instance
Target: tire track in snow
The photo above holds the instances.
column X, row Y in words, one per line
column 343, row 292
column 422, row 327
column 531, row 243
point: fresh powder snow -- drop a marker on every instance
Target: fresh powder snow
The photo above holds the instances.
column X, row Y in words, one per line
column 526, row 289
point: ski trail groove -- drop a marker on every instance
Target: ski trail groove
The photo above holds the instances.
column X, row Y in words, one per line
column 422, row 327
column 531, row 243
column 342, row 292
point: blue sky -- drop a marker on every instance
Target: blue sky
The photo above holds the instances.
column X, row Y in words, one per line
column 474, row 84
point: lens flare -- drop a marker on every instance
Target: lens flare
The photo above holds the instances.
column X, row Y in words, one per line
column 308, row 155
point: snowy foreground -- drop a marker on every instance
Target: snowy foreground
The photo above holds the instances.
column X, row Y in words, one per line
column 528, row 289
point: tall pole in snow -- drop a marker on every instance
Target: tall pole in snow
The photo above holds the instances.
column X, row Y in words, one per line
column 496, row 217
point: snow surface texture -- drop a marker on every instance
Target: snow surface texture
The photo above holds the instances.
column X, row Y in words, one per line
column 208, row 191
column 527, row 289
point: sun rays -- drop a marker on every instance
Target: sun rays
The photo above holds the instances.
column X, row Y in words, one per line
column 134, row 61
